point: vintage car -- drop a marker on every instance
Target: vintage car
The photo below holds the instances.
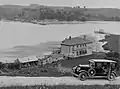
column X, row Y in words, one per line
column 96, row 68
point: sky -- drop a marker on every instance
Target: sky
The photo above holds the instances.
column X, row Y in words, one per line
column 88, row 3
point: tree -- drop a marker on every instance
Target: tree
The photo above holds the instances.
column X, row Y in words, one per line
column 115, row 57
column 1, row 65
column 17, row 64
column 83, row 18
column 17, row 61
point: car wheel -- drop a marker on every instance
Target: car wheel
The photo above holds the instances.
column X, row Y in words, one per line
column 82, row 76
column 91, row 72
column 111, row 77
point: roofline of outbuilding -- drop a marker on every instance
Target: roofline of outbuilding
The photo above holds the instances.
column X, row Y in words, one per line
column 75, row 44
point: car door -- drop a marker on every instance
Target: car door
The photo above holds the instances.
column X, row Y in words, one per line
column 98, row 68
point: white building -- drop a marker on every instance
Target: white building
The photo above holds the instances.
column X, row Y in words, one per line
column 76, row 47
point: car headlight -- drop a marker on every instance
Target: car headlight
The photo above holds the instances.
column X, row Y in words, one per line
column 74, row 67
column 78, row 69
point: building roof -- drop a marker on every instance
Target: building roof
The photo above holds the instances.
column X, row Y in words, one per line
column 101, row 60
column 75, row 41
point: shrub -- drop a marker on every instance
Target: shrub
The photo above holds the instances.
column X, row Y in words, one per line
column 44, row 70
column 13, row 66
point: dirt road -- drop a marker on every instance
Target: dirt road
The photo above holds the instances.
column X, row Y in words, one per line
column 8, row 81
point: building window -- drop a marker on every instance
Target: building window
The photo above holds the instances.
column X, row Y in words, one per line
column 80, row 45
column 72, row 48
column 80, row 52
column 72, row 52
column 77, row 53
column 83, row 45
column 83, row 52
column 77, row 46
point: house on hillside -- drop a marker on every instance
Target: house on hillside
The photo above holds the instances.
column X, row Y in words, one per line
column 56, row 50
column 76, row 47
column 50, row 59
column 113, row 43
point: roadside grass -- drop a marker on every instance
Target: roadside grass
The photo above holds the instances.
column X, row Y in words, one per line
column 64, row 87
column 56, row 69
column 49, row 70
column 70, row 62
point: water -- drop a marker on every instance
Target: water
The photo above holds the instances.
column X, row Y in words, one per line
column 16, row 34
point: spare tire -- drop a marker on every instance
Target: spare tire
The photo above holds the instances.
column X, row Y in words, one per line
column 91, row 72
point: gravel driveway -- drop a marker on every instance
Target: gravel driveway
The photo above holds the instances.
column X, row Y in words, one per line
column 8, row 81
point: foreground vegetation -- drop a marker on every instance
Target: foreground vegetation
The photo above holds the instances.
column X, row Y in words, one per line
column 64, row 87
column 56, row 69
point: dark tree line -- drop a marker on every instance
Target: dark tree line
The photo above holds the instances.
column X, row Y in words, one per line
column 63, row 15
column 15, row 65
column 58, row 14
column 115, row 56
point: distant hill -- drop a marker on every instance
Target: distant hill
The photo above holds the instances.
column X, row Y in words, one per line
column 109, row 12
column 41, row 12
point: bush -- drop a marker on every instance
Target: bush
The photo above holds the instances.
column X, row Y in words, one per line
column 13, row 66
column 2, row 65
column 44, row 70
column 115, row 57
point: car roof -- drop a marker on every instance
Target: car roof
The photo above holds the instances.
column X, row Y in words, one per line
column 101, row 60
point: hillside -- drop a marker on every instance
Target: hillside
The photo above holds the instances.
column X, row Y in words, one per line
column 41, row 12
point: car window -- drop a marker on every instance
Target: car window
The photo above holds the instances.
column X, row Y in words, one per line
column 105, row 65
column 99, row 65
column 92, row 64
column 113, row 66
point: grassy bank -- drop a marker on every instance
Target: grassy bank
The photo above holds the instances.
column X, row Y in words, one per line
column 69, row 63
column 65, row 87
column 48, row 70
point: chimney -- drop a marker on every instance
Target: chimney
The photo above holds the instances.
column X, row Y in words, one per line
column 84, row 37
column 69, row 37
column 64, row 40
